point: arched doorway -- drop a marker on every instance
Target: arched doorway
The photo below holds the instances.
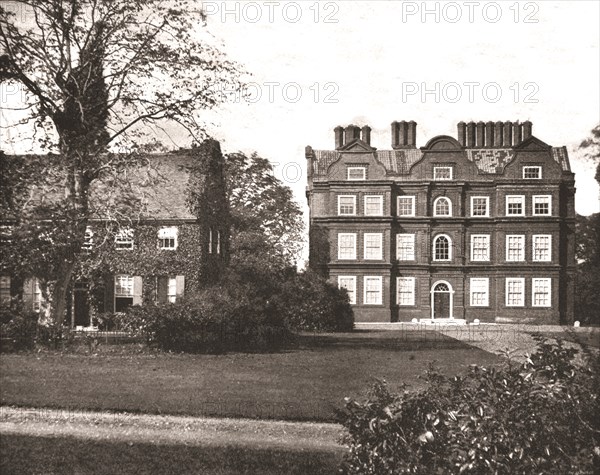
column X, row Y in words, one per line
column 441, row 300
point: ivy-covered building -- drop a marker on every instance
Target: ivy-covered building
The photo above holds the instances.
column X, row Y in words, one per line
column 475, row 227
column 160, row 232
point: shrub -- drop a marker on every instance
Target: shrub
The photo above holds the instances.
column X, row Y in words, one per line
column 18, row 327
column 215, row 320
column 309, row 302
column 537, row 417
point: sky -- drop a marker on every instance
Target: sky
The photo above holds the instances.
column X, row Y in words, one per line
column 315, row 65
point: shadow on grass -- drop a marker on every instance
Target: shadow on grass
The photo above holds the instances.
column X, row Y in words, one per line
column 34, row 455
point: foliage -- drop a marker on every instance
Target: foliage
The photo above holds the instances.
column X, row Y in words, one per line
column 536, row 417
column 587, row 301
column 215, row 320
column 309, row 302
column 260, row 202
column 19, row 327
column 591, row 149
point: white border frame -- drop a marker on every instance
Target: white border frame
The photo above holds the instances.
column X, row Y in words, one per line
column 522, row 197
column 549, row 279
column 380, row 279
column 339, row 247
column 549, row 236
column 450, row 291
column 414, row 292
column 487, row 303
column 380, row 205
column 487, row 207
column 414, row 253
column 450, row 244
column 506, row 281
column 539, row 167
column 176, row 237
column 339, row 205
column 413, row 201
column 533, row 213
column 380, row 247
column 522, row 236
column 353, row 278
column 363, row 168
column 449, row 207
column 438, row 167
column 489, row 247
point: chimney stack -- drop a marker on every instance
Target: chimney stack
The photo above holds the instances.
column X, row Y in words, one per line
column 517, row 133
column 471, row 134
column 507, row 138
column 527, row 126
column 404, row 134
column 352, row 132
column 411, row 134
column 480, row 143
column 395, row 134
column 498, row 134
column 366, row 134
column 461, row 132
column 489, row 134
column 339, row 136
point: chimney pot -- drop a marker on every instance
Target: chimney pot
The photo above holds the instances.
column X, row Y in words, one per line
column 339, row 136
column 498, row 133
column 489, row 134
column 527, row 126
column 480, row 134
column 517, row 133
column 395, row 135
column 411, row 134
column 471, row 134
column 507, row 139
column 352, row 132
column 366, row 134
column 461, row 132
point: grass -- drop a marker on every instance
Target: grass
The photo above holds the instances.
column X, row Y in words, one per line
column 307, row 382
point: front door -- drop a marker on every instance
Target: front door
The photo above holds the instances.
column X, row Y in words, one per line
column 81, row 307
column 441, row 300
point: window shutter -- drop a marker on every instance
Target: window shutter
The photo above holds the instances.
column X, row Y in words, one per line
column 180, row 285
column 162, row 290
column 137, row 290
column 109, row 293
column 28, row 287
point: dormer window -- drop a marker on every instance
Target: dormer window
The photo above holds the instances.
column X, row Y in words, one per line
column 124, row 239
column 167, row 238
column 442, row 173
column 532, row 173
column 357, row 173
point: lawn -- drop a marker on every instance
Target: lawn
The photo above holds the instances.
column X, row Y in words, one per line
column 306, row 382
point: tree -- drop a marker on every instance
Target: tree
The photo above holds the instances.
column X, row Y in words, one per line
column 96, row 75
column 591, row 149
column 261, row 205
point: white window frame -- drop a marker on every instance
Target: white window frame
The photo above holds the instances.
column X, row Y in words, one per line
column 124, row 239
column 521, row 199
column 364, row 173
column 534, row 200
column 168, row 233
column 340, row 237
column 433, row 253
column 412, row 199
column 411, row 291
column 548, row 281
column 37, row 299
column 352, row 291
column 487, row 239
column 411, row 246
column 171, row 289
column 529, row 167
column 534, row 247
column 88, row 240
column 508, row 280
column 379, row 198
column 377, row 257
column 521, row 239
column 435, row 202
column 380, row 291
column 340, row 205
column 487, row 206
column 472, row 282
column 439, row 168
column 130, row 283
column 218, row 242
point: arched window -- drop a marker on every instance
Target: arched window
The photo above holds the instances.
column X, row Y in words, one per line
column 442, row 248
column 442, row 206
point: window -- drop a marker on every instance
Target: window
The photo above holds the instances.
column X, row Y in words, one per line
column 480, row 291
column 172, row 289
column 348, row 282
column 442, row 173
column 4, row 289
column 406, row 206
column 542, row 205
column 442, row 250
column 37, row 296
column 88, row 240
column 515, row 247
column 405, row 289
column 357, row 173
column 442, row 206
column 480, row 247
column 123, row 292
column 515, row 292
column 373, row 205
column 405, row 247
column 346, row 205
column 124, row 238
column 373, row 246
column 532, row 173
column 480, row 206
column 373, row 290
column 540, row 292
column 219, row 242
column 515, row 205
column 210, row 241
column 167, row 238
column 542, row 247
column 346, row 246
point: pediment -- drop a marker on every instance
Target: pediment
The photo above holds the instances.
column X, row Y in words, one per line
column 442, row 143
column 357, row 145
column 533, row 144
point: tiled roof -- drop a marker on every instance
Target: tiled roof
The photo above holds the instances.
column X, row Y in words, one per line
column 559, row 154
column 324, row 158
column 491, row 160
column 399, row 161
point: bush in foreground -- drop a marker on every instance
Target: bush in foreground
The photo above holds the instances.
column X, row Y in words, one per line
column 537, row 417
column 18, row 327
